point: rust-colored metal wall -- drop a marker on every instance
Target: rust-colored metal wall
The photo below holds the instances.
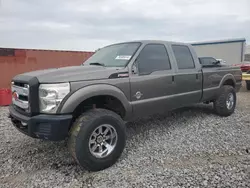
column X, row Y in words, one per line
column 16, row 61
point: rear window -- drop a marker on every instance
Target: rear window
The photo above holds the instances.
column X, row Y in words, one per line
column 183, row 57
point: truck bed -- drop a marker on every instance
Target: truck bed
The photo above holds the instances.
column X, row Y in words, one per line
column 213, row 78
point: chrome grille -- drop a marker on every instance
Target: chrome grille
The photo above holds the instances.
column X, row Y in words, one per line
column 20, row 95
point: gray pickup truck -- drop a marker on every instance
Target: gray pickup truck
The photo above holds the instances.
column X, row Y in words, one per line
column 89, row 103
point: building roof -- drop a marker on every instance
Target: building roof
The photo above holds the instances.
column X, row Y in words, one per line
column 219, row 41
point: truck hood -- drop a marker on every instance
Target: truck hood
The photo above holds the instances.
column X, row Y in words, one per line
column 72, row 73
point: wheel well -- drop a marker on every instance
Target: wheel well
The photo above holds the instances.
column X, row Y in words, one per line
column 101, row 101
column 229, row 82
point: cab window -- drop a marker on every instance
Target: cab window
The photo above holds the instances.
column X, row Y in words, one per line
column 153, row 57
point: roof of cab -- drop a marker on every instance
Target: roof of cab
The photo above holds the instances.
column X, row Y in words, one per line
column 152, row 41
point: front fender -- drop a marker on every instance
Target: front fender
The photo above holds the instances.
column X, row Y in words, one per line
column 76, row 98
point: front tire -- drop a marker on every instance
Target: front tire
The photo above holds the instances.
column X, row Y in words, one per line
column 225, row 104
column 97, row 139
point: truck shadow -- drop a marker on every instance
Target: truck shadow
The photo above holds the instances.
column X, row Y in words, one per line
column 140, row 130
column 175, row 115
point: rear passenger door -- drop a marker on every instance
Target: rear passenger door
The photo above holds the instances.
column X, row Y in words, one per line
column 151, row 83
column 188, row 76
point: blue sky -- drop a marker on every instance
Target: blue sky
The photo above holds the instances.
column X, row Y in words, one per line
column 90, row 24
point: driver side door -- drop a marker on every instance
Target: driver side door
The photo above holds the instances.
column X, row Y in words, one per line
column 153, row 82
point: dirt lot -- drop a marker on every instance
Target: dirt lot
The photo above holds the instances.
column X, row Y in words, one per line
column 187, row 148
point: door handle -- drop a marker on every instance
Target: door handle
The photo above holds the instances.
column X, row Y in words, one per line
column 197, row 76
column 172, row 78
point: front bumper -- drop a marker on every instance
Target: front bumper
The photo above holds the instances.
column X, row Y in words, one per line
column 49, row 127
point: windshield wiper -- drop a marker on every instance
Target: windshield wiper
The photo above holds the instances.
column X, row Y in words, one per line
column 98, row 64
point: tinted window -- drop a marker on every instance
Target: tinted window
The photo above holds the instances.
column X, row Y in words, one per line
column 153, row 57
column 183, row 57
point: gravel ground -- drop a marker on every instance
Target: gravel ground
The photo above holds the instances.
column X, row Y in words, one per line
column 186, row 148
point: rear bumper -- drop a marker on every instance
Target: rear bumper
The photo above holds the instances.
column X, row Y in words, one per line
column 245, row 76
column 49, row 127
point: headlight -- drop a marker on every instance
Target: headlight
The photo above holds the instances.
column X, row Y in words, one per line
column 51, row 95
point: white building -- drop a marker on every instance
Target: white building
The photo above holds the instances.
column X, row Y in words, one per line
column 232, row 51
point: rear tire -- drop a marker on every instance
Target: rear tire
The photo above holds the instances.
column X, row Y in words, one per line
column 248, row 85
column 225, row 104
column 91, row 133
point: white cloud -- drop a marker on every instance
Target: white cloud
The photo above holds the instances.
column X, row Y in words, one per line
column 88, row 24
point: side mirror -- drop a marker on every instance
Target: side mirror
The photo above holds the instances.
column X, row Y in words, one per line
column 135, row 68
column 216, row 62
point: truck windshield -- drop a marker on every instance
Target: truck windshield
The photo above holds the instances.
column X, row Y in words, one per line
column 116, row 55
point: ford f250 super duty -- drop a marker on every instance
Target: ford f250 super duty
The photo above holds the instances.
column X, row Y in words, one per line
column 89, row 103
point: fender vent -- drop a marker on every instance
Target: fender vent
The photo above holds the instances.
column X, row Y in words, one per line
column 119, row 75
